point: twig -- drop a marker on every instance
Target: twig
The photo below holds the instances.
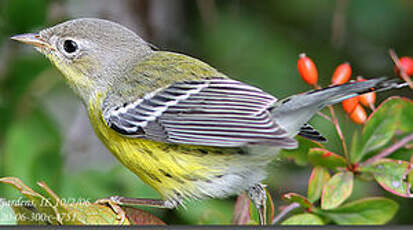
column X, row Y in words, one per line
column 324, row 116
column 402, row 73
column 339, row 132
column 285, row 211
column 388, row 151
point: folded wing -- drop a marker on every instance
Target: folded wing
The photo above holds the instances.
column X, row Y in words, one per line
column 212, row 112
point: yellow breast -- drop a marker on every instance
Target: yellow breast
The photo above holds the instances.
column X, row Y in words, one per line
column 173, row 170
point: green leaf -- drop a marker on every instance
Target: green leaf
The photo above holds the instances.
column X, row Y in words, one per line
column 391, row 175
column 41, row 203
column 393, row 114
column 91, row 213
column 410, row 178
column 337, row 190
column 270, row 208
column 253, row 214
column 369, row 211
column 294, row 197
column 300, row 154
column 406, row 122
column 319, row 176
column 404, row 153
column 323, row 157
column 88, row 213
column 74, row 213
column 50, row 209
column 7, row 215
column 303, row 219
column 26, row 215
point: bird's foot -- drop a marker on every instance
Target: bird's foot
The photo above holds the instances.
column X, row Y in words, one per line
column 114, row 203
column 258, row 196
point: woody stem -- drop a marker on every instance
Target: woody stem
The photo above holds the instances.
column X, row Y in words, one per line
column 339, row 132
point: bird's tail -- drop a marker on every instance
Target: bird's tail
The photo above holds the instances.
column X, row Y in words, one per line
column 293, row 112
column 336, row 94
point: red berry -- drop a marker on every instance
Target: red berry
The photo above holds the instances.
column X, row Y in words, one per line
column 350, row 104
column 342, row 74
column 358, row 115
column 407, row 64
column 307, row 69
column 367, row 99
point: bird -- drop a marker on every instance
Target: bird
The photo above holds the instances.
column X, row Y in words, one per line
column 184, row 128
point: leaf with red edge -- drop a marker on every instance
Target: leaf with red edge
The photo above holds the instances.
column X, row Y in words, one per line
column 303, row 219
column 40, row 202
column 140, row 217
column 7, row 214
column 323, row 157
column 81, row 213
column 391, row 175
column 241, row 210
column 270, row 209
column 337, row 190
column 393, row 114
column 300, row 154
column 368, row 211
column 406, row 121
column 294, row 197
column 319, row 176
column 48, row 208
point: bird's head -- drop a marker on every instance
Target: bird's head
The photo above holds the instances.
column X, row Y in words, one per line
column 89, row 52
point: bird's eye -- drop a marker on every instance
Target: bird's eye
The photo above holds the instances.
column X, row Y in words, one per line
column 70, row 46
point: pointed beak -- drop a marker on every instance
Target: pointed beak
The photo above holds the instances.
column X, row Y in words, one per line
column 32, row 39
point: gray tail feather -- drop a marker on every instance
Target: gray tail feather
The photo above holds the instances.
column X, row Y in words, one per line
column 339, row 93
column 293, row 112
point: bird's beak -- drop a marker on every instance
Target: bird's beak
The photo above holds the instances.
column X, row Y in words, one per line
column 32, row 39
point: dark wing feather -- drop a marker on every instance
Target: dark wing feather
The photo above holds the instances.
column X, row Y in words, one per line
column 309, row 132
column 214, row 112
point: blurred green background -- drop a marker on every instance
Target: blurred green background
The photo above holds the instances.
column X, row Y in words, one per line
column 44, row 131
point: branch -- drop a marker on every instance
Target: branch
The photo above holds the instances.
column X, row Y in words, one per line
column 339, row 132
column 324, row 116
column 388, row 151
column 285, row 211
column 402, row 73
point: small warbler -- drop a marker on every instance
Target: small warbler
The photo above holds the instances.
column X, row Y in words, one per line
column 184, row 128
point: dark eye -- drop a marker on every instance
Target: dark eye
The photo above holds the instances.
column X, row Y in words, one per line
column 70, row 46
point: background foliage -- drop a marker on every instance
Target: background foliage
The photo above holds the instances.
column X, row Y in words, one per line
column 44, row 132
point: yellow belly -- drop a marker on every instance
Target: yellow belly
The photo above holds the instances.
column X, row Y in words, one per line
column 173, row 170
column 184, row 171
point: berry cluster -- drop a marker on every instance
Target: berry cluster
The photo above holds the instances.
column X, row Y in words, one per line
column 353, row 106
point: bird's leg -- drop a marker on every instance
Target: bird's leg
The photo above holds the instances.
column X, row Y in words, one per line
column 258, row 196
column 114, row 203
